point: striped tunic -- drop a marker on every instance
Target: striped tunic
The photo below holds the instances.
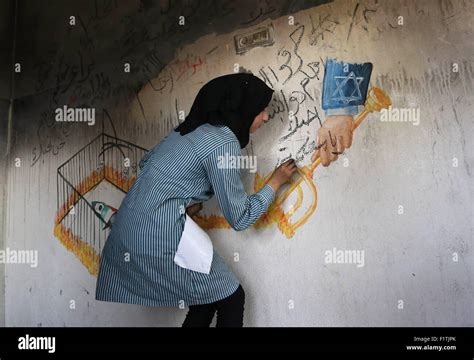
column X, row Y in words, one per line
column 137, row 261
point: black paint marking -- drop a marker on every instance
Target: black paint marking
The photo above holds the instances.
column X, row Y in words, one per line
column 212, row 50
column 352, row 22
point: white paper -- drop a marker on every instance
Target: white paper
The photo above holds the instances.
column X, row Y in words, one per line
column 194, row 249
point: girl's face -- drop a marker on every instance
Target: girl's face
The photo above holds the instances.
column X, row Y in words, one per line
column 259, row 120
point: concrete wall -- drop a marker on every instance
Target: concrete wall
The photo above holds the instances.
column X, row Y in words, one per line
column 4, row 105
column 408, row 257
column 7, row 17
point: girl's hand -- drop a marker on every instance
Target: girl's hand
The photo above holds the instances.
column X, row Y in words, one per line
column 282, row 174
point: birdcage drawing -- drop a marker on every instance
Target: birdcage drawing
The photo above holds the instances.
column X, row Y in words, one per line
column 82, row 225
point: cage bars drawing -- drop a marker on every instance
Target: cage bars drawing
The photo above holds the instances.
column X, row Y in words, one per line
column 78, row 226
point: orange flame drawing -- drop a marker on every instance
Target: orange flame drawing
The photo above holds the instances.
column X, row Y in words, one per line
column 74, row 243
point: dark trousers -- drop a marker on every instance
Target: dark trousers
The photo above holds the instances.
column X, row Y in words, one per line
column 230, row 312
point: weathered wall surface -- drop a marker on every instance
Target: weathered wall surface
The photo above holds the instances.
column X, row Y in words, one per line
column 426, row 168
column 7, row 16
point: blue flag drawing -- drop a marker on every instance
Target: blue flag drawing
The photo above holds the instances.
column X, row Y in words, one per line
column 345, row 85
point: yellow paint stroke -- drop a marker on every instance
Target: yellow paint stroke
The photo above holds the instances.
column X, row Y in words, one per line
column 74, row 243
column 376, row 101
column 83, row 251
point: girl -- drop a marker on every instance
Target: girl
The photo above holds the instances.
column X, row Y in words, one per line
column 137, row 262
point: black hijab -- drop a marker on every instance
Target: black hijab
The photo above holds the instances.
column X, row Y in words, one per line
column 233, row 100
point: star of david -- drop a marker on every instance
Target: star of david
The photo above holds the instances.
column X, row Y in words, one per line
column 341, row 81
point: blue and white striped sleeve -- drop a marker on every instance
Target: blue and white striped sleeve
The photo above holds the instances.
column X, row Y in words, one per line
column 240, row 209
